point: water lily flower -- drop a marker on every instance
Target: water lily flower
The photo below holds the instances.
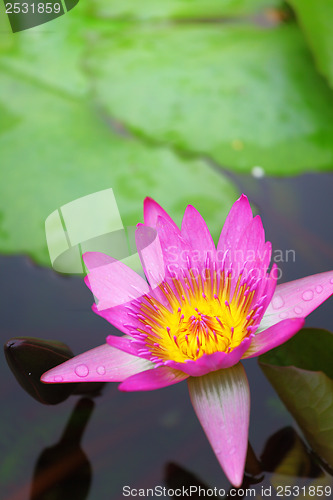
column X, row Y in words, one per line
column 205, row 308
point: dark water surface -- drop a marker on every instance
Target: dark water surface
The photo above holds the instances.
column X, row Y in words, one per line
column 128, row 438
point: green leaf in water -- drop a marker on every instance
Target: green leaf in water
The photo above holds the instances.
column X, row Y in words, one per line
column 244, row 95
column 179, row 9
column 56, row 147
column 315, row 18
column 301, row 372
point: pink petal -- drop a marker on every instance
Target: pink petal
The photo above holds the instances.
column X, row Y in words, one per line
column 266, row 258
column 251, row 246
column 153, row 379
column 221, row 401
column 273, row 336
column 113, row 283
column 151, row 212
column 118, row 317
column 151, row 255
column 271, row 284
column 212, row 362
column 265, row 291
column 102, row 364
column 196, row 233
column 298, row 298
column 176, row 250
column 235, row 224
column 248, row 255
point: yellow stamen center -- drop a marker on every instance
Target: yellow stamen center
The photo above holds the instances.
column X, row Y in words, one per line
column 201, row 316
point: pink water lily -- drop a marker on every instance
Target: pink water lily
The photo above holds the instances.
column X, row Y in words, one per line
column 205, row 308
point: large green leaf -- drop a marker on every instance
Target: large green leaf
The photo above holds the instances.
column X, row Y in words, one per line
column 241, row 94
column 301, row 371
column 49, row 58
column 315, row 19
column 55, row 148
column 179, row 9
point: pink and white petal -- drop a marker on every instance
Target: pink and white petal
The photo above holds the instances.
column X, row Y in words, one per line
column 298, row 298
column 126, row 344
column 153, row 379
column 151, row 255
column 221, row 401
column 212, row 362
column 152, row 210
column 113, row 283
column 96, row 259
column 235, row 224
column 101, row 364
column 195, row 231
column 273, row 336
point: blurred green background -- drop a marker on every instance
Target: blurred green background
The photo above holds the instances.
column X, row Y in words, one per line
column 166, row 99
column 186, row 101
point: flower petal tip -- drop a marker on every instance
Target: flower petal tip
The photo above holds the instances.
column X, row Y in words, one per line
column 221, row 401
column 101, row 364
column 243, row 197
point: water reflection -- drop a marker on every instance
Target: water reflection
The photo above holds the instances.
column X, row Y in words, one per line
column 63, row 471
column 176, row 477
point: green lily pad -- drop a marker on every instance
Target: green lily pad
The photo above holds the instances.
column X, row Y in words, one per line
column 315, row 18
column 301, row 372
column 240, row 94
column 55, row 148
column 179, row 9
column 243, row 95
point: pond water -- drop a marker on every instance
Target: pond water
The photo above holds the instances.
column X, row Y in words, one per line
column 146, row 439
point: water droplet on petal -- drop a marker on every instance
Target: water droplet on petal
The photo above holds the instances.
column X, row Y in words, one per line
column 331, row 280
column 319, row 289
column 298, row 310
column 308, row 295
column 277, row 302
column 101, row 370
column 82, row 370
column 283, row 315
column 58, row 378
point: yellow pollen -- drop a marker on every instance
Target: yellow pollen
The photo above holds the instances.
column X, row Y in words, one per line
column 201, row 316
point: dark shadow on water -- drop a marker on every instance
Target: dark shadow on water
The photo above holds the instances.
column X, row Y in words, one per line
column 63, row 471
column 176, row 477
column 286, row 452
